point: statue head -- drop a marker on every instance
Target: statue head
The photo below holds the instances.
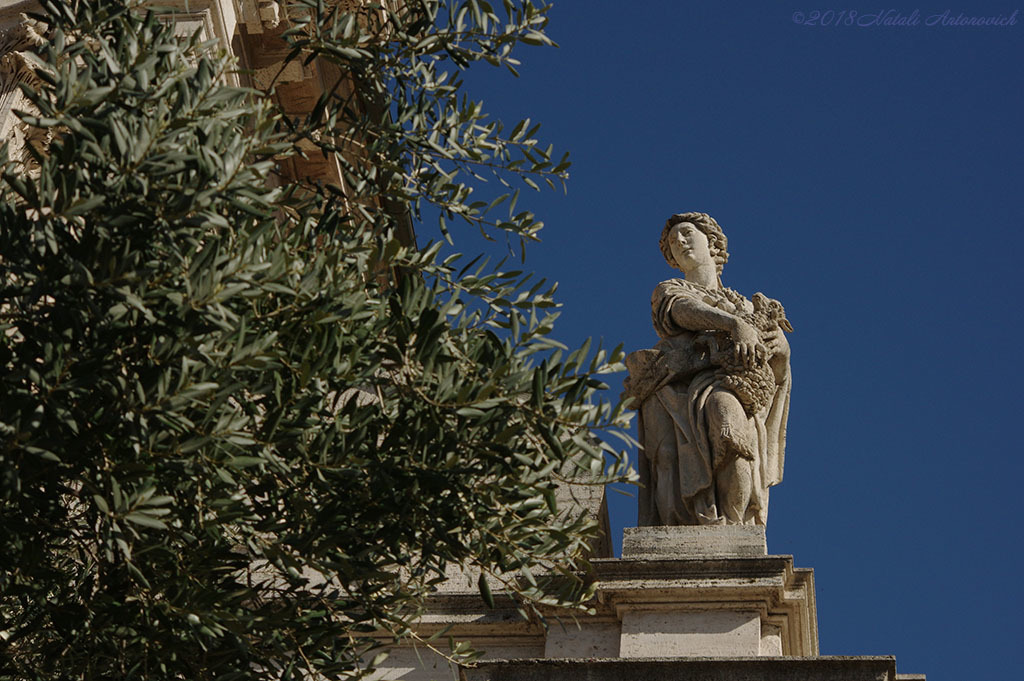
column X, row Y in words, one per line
column 716, row 238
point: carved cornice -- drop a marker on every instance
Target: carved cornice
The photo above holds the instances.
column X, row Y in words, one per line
column 15, row 40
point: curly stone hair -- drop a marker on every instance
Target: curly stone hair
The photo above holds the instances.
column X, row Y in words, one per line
column 716, row 237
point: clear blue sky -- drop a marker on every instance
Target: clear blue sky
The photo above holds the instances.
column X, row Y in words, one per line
column 870, row 178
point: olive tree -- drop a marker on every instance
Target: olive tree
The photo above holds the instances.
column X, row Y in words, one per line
column 244, row 423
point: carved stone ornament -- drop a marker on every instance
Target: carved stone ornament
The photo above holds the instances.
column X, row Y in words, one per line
column 15, row 40
column 713, row 394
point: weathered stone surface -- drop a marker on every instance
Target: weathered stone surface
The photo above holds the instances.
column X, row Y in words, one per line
column 713, row 395
column 699, row 633
column 694, row 669
column 589, row 500
column 424, row 663
column 681, row 608
column 771, row 640
column 694, row 541
column 583, row 637
column 782, row 596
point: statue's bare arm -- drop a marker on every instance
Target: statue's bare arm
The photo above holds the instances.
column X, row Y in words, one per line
column 778, row 353
column 696, row 315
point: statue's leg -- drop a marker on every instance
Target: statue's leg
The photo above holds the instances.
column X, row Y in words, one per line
column 733, row 482
column 659, row 440
column 665, row 491
column 734, row 447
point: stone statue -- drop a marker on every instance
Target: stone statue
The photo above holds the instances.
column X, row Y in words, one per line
column 713, row 394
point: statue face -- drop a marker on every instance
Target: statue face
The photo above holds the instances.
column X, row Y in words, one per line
column 689, row 246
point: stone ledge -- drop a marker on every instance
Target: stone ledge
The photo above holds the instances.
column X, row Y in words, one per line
column 721, row 568
column 702, row 669
column 683, row 591
column 698, row 541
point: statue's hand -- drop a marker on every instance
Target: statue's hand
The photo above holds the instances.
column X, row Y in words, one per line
column 747, row 346
column 776, row 344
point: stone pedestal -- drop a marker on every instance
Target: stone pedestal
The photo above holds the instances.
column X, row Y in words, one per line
column 728, row 598
column 702, row 541
column 752, row 606
column 669, row 632
column 681, row 603
column 676, row 593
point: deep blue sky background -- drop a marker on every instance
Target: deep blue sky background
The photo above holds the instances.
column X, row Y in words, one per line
column 870, row 178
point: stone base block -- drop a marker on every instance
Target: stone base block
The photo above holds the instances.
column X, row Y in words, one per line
column 694, row 541
column 582, row 639
column 690, row 634
column 705, row 669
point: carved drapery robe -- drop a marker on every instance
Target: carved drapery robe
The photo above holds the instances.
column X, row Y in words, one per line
column 671, row 385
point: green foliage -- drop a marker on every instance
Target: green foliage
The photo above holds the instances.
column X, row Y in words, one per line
column 242, row 423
